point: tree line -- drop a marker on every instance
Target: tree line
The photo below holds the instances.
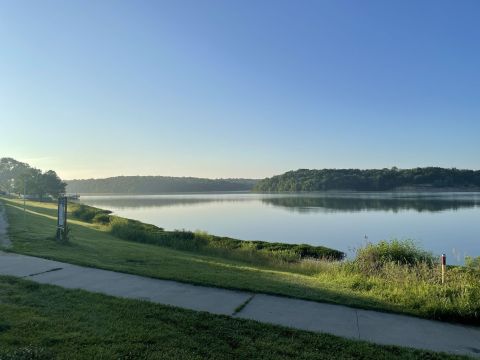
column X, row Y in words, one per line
column 370, row 180
column 156, row 185
column 17, row 177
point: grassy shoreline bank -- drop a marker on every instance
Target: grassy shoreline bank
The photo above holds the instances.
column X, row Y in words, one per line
column 401, row 288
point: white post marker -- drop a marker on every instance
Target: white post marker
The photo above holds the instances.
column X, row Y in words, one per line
column 444, row 267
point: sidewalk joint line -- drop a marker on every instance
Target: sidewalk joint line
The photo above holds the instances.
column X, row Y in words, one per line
column 242, row 305
column 43, row 272
column 358, row 325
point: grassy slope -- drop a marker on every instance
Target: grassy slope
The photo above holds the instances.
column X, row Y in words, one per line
column 93, row 246
column 45, row 322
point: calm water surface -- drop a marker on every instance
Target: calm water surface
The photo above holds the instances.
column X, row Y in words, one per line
column 441, row 222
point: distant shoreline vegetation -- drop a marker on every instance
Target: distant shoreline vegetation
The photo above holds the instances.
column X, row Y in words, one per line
column 146, row 185
column 427, row 178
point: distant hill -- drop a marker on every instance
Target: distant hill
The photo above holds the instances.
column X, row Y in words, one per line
column 156, row 185
column 371, row 180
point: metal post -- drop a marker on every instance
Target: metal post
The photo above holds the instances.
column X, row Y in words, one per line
column 444, row 267
column 62, row 218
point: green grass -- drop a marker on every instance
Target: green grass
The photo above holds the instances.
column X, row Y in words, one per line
column 48, row 322
column 414, row 290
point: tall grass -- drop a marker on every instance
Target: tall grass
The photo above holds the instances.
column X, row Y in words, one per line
column 372, row 257
column 405, row 277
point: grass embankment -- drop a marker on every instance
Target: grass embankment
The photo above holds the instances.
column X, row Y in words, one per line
column 261, row 251
column 412, row 287
column 48, row 322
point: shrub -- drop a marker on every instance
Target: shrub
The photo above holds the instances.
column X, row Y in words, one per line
column 402, row 252
column 101, row 218
column 88, row 213
column 133, row 230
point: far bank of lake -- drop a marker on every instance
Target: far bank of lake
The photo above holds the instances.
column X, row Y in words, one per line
column 442, row 222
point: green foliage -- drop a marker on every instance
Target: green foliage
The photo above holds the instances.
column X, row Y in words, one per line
column 90, row 214
column 406, row 252
column 133, row 230
column 285, row 252
column 16, row 177
column 101, row 218
column 370, row 180
column 472, row 262
column 157, row 185
column 10, row 169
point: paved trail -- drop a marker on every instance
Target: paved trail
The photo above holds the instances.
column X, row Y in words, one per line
column 4, row 240
column 376, row 327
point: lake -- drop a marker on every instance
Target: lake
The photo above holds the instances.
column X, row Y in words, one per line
column 442, row 222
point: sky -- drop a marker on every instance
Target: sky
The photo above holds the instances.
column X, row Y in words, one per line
column 219, row 88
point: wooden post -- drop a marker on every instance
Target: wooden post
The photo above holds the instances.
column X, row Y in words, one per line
column 444, row 267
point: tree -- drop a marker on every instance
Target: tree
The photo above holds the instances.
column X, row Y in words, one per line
column 30, row 180
column 17, row 177
column 52, row 183
column 10, row 169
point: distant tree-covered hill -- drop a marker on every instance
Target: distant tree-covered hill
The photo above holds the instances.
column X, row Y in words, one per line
column 370, row 180
column 156, row 185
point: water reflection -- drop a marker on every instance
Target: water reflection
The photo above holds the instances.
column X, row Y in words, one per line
column 339, row 204
column 304, row 203
column 441, row 222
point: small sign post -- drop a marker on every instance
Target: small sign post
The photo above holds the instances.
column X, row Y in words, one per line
column 444, row 267
column 62, row 218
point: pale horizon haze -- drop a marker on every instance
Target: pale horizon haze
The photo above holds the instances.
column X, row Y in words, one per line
column 245, row 89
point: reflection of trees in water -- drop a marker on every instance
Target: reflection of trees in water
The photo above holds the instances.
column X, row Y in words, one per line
column 125, row 203
column 303, row 203
column 313, row 204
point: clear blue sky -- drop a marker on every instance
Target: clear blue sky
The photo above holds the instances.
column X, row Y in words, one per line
column 246, row 88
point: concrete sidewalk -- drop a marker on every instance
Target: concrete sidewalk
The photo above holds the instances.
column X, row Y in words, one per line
column 372, row 326
column 4, row 240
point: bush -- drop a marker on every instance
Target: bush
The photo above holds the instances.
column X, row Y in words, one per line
column 402, row 252
column 101, row 218
column 133, row 230
column 88, row 213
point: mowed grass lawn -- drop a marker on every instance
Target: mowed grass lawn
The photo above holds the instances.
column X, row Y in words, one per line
column 401, row 290
column 48, row 322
